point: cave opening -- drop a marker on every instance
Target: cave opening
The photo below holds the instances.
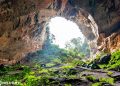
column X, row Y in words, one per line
column 64, row 30
column 64, row 41
column 45, row 42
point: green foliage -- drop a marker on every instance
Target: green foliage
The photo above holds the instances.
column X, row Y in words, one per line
column 44, row 80
column 6, row 69
column 68, row 85
column 67, row 66
column 51, row 64
column 66, row 69
column 16, row 76
column 107, row 80
column 11, row 77
column 115, row 61
column 97, row 84
column 77, row 62
column 45, row 71
column 26, row 69
column 113, row 64
column 91, row 78
column 13, row 74
column 30, row 80
column 100, row 81
column 76, row 48
column 57, row 61
column 103, row 66
column 109, row 73
column 52, row 53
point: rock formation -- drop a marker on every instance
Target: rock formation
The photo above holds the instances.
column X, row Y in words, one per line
column 23, row 24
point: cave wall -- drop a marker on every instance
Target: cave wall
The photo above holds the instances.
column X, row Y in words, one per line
column 106, row 14
column 21, row 30
column 22, row 24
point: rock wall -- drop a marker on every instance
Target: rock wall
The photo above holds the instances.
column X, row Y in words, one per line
column 22, row 24
column 20, row 30
column 106, row 14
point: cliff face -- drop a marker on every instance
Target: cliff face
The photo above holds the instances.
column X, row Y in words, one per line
column 23, row 22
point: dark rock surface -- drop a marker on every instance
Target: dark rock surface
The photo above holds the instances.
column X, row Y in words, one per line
column 105, row 59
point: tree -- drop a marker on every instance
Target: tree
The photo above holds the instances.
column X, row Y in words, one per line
column 50, row 50
column 76, row 48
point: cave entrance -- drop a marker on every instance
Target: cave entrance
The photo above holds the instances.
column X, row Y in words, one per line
column 66, row 35
column 64, row 30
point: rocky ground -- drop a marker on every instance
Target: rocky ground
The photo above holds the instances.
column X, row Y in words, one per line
column 62, row 75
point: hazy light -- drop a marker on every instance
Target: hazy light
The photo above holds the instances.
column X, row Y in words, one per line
column 64, row 30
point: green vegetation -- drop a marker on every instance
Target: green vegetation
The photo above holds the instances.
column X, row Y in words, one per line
column 52, row 72
column 54, row 65
column 100, row 80
column 113, row 64
column 78, row 49
column 91, row 78
column 115, row 61
column 107, row 80
column 68, row 85
column 109, row 73
column 97, row 84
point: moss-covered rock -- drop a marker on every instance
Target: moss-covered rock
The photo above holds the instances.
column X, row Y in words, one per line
column 114, row 62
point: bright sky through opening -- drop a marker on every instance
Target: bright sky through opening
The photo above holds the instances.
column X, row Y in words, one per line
column 64, row 30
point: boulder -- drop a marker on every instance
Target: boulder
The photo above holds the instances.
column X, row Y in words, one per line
column 105, row 59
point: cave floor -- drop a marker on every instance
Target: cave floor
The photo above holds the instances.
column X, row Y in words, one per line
column 59, row 75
